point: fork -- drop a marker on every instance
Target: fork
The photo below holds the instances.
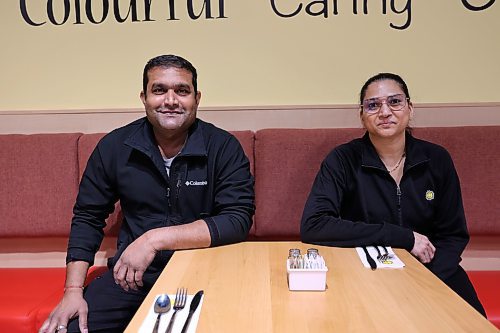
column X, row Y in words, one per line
column 179, row 304
column 380, row 257
column 387, row 255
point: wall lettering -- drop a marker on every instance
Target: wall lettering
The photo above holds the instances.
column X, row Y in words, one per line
column 100, row 11
column 322, row 9
column 478, row 8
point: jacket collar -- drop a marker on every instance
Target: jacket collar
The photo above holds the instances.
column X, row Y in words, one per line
column 414, row 153
column 143, row 140
column 195, row 144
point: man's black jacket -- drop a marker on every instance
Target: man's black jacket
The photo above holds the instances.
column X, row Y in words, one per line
column 210, row 179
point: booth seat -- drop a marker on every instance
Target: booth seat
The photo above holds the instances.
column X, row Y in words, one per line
column 486, row 285
column 30, row 294
column 40, row 173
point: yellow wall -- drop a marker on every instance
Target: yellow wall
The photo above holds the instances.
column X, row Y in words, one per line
column 448, row 54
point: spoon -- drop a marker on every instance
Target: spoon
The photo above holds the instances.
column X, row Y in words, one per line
column 162, row 305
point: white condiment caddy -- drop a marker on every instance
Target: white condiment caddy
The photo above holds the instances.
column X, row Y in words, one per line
column 305, row 272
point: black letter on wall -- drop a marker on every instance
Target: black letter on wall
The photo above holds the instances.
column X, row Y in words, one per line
column 132, row 6
column 26, row 17
column 50, row 12
column 324, row 11
column 476, row 9
column 406, row 8
column 191, row 10
column 88, row 10
column 171, row 5
column 78, row 19
column 276, row 11
column 221, row 9
column 147, row 10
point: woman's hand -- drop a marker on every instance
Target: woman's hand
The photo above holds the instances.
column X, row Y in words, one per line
column 423, row 248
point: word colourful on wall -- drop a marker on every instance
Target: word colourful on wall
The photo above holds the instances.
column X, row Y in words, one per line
column 61, row 12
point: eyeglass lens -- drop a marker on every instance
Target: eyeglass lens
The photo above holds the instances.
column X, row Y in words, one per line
column 395, row 103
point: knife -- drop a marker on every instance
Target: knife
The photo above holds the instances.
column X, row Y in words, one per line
column 192, row 308
column 370, row 260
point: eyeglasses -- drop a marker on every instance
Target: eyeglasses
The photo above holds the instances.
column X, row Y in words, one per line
column 394, row 102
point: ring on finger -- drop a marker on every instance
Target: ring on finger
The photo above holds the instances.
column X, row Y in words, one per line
column 60, row 327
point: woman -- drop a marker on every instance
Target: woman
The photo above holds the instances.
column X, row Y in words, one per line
column 389, row 188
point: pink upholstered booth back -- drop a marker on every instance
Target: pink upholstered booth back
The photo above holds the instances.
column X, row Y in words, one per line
column 286, row 163
column 475, row 152
column 38, row 179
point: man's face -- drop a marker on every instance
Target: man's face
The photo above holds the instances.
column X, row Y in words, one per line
column 170, row 100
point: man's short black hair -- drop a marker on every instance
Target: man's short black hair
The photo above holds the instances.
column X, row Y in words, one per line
column 167, row 61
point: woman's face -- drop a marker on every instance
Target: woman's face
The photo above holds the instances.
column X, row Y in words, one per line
column 386, row 122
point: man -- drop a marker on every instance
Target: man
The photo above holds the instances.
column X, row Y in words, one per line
column 182, row 184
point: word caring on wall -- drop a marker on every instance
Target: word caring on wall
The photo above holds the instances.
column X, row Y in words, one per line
column 61, row 12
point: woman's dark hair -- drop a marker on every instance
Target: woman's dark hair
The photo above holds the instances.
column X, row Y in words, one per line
column 168, row 61
column 380, row 77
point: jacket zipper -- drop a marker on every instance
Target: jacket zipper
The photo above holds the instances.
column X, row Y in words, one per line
column 168, row 196
column 178, row 187
column 400, row 216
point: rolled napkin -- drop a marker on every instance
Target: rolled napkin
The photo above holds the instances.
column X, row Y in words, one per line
column 149, row 321
column 392, row 262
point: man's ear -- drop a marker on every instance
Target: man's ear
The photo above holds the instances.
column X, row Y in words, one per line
column 198, row 97
column 143, row 97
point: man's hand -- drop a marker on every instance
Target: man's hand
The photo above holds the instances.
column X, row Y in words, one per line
column 72, row 304
column 129, row 269
column 423, row 248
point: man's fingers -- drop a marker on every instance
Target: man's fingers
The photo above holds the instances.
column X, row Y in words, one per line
column 57, row 325
column 131, row 279
column 82, row 321
column 45, row 325
column 138, row 278
column 53, row 324
column 116, row 271
column 61, row 328
column 119, row 274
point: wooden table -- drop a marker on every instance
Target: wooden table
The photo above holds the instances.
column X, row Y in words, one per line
column 246, row 291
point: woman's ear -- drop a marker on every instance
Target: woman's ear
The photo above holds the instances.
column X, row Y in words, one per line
column 412, row 111
column 361, row 118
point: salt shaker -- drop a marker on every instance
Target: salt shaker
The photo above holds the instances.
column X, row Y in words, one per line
column 312, row 253
column 294, row 256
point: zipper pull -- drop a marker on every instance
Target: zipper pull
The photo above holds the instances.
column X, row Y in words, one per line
column 398, row 193
column 400, row 215
column 168, row 196
column 178, row 187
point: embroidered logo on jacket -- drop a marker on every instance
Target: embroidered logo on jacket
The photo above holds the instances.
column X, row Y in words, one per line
column 429, row 195
column 196, row 183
